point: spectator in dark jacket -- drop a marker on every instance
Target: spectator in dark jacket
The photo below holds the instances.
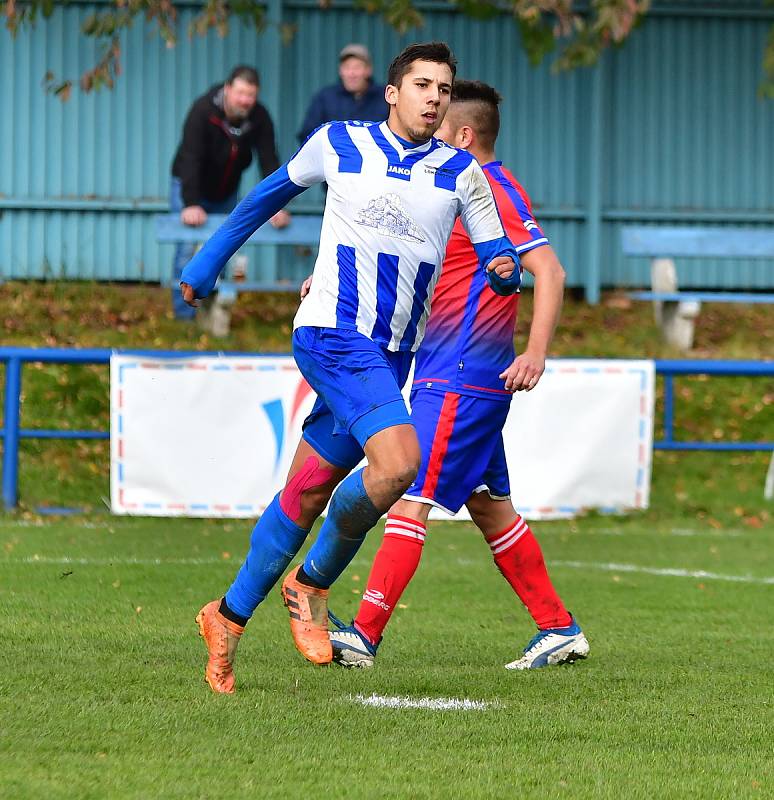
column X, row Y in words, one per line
column 222, row 129
column 356, row 96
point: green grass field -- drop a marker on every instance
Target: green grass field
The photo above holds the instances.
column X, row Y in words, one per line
column 101, row 691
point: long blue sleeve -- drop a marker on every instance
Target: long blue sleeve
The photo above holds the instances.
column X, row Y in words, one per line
column 486, row 251
column 263, row 202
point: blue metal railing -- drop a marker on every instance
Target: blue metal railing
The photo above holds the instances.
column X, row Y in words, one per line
column 14, row 357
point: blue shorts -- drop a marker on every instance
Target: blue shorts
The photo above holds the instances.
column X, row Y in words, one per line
column 462, row 448
column 358, row 385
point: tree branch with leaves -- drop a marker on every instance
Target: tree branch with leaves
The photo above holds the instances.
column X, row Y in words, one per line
column 577, row 36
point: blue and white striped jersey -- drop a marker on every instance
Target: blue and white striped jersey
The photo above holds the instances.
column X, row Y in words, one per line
column 388, row 216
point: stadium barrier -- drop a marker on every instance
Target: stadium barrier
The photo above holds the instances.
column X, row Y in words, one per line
column 14, row 357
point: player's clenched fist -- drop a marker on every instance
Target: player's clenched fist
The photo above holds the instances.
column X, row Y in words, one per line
column 188, row 294
column 502, row 265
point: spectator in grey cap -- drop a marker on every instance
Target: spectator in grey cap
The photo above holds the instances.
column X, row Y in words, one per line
column 355, row 96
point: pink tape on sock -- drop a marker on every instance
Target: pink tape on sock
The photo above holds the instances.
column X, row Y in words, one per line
column 309, row 476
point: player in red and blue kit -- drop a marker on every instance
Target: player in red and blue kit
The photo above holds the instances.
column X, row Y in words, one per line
column 465, row 374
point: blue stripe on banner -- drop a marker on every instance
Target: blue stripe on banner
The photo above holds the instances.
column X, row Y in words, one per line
column 386, row 296
column 350, row 158
column 421, row 282
column 346, row 307
column 447, row 174
column 518, row 202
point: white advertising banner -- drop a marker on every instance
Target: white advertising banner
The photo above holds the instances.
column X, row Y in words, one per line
column 213, row 436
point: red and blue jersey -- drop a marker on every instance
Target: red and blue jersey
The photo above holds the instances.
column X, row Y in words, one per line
column 469, row 336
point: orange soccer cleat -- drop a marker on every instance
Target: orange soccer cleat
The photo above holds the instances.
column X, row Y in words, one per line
column 308, row 609
column 221, row 637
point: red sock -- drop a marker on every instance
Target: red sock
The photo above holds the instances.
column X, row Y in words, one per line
column 518, row 556
column 394, row 566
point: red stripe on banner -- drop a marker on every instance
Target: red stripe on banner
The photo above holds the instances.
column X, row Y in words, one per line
column 613, row 370
column 443, row 432
column 245, row 369
column 121, row 501
column 120, row 448
column 120, row 398
column 196, row 366
column 221, row 508
column 302, row 391
column 148, row 365
column 176, row 506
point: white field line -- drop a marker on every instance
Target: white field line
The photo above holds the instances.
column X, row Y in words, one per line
column 671, row 572
column 730, row 532
column 116, row 562
column 429, row 703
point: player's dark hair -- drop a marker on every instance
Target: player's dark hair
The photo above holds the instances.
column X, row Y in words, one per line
column 480, row 108
column 437, row 52
column 244, row 73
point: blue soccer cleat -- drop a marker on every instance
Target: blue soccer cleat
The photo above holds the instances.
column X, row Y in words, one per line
column 350, row 647
column 552, row 647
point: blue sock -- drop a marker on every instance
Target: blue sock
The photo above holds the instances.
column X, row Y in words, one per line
column 350, row 516
column 275, row 541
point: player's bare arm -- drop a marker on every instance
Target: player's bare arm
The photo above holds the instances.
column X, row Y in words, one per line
column 528, row 367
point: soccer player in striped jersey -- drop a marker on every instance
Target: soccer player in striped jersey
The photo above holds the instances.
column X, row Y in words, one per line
column 394, row 194
column 464, row 377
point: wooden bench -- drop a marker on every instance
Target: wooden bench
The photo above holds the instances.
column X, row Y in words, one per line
column 676, row 311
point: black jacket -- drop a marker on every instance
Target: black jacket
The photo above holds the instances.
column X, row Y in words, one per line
column 213, row 154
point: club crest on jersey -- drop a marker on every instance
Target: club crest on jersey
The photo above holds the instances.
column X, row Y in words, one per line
column 387, row 215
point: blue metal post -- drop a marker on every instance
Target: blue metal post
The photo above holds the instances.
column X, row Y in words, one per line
column 669, row 408
column 11, row 425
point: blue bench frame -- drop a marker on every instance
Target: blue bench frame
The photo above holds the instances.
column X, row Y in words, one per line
column 13, row 433
column 303, row 230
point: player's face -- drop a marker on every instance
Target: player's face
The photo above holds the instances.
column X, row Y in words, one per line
column 355, row 74
column 418, row 107
column 239, row 98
